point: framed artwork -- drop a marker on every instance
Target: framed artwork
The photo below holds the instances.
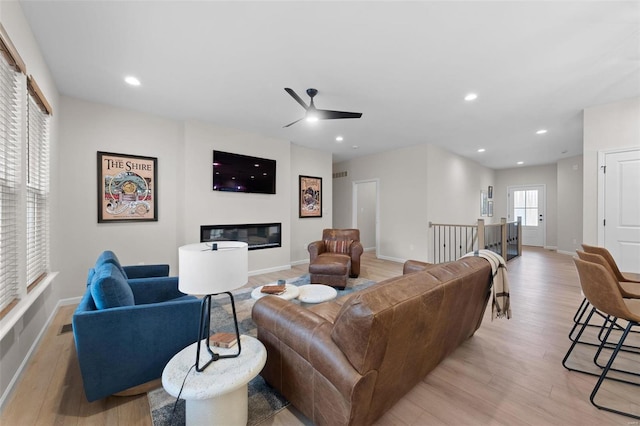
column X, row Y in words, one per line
column 490, row 208
column 127, row 188
column 484, row 205
column 490, row 194
column 310, row 192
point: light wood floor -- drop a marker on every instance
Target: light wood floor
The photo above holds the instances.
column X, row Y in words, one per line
column 509, row 373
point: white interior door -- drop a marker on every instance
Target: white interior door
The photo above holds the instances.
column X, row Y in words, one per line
column 528, row 202
column 621, row 223
column 365, row 212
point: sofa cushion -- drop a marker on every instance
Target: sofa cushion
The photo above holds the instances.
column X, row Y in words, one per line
column 108, row 256
column 110, row 288
column 337, row 246
column 90, row 275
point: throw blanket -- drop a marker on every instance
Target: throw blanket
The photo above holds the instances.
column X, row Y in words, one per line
column 500, row 306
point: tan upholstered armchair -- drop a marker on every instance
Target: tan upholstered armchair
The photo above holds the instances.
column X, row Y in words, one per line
column 338, row 246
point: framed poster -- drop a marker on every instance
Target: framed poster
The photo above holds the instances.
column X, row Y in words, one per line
column 310, row 191
column 484, row 204
column 127, row 188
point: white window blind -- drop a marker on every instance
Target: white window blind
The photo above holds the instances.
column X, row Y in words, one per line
column 10, row 160
column 37, row 187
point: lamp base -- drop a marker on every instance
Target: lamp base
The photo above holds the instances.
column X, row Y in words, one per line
column 205, row 328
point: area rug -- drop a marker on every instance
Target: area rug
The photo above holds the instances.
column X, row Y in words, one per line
column 264, row 401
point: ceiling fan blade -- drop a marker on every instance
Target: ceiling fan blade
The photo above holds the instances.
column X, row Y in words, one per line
column 290, row 124
column 325, row 114
column 295, row 96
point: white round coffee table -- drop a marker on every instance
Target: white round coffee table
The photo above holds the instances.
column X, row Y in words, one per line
column 316, row 293
column 219, row 394
column 290, row 293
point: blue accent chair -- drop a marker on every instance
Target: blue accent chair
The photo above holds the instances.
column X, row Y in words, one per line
column 127, row 329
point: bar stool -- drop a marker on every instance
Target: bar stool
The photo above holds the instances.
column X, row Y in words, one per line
column 629, row 290
column 620, row 276
column 602, row 291
column 627, row 282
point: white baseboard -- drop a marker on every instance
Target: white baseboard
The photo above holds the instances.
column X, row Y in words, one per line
column 268, row 270
column 570, row 253
column 370, row 249
column 299, row 262
column 69, row 301
column 27, row 358
column 554, row 248
column 392, row 259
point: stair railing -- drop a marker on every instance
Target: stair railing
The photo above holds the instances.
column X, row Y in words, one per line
column 451, row 242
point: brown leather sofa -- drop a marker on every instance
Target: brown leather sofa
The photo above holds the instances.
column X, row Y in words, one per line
column 331, row 265
column 347, row 361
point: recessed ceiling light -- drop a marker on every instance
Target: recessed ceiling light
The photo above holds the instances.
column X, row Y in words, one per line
column 339, row 139
column 481, row 150
column 541, row 132
column 131, row 80
column 355, row 147
column 471, row 97
column 519, row 163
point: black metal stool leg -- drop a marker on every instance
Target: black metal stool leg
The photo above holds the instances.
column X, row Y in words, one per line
column 606, row 370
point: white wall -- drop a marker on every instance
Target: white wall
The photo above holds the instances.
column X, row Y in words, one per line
column 308, row 162
column 535, row 175
column 454, row 185
column 87, row 128
column 606, row 128
column 569, row 204
column 418, row 185
column 403, row 199
column 203, row 206
column 16, row 345
column 366, row 215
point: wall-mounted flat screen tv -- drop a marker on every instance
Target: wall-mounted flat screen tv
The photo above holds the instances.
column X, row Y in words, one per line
column 243, row 173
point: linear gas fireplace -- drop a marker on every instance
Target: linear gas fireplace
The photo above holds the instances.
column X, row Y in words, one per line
column 257, row 235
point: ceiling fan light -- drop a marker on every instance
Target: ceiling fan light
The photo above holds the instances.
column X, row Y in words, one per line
column 132, row 81
column 312, row 118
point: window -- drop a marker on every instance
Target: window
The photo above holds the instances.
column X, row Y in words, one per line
column 37, row 185
column 10, row 143
column 525, row 205
column 24, row 178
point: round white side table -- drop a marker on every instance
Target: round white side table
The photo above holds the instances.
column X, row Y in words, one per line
column 219, row 394
column 316, row 293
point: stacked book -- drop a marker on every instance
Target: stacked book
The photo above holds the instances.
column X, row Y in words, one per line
column 223, row 340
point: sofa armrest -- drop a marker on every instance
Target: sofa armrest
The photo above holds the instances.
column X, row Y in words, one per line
column 355, row 251
column 146, row 271
column 122, row 347
column 309, row 336
column 315, row 248
column 154, row 290
column 416, row 266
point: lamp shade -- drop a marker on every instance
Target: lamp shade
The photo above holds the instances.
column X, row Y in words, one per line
column 205, row 271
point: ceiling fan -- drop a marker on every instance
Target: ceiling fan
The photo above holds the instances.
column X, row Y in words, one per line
column 314, row 114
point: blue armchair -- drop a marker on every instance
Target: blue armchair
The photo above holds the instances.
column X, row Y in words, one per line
column 126, row 330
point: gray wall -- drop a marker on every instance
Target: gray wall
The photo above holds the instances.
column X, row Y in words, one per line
column 418, row 184
column 606, row 128
column 309, row 162
column 534, row 175
column 366, row 214
column 569, row 204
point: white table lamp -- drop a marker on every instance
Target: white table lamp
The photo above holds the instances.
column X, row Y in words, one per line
column 208, row 269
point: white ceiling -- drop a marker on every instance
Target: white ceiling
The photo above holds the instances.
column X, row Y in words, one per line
column 405, row 65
